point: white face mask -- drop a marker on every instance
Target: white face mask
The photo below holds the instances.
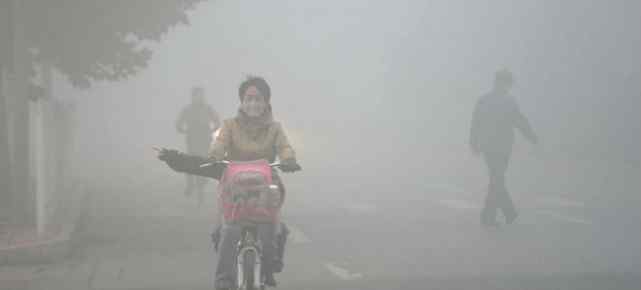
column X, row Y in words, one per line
column 253, row 108
column 253, row 103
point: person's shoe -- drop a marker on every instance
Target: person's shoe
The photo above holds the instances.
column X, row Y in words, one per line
column 509, row 219
column 270, row 280
column 489, row 221
column 278, row 266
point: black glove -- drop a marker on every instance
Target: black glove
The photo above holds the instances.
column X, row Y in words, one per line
column 172, row 158
column 289, row 165
column 168, row 155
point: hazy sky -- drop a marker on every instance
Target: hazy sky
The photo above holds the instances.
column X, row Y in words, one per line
column 361, row 82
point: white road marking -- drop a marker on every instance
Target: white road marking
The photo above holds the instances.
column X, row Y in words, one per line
column 560, row 201
column 342, row 273
column 563, row 217
column 458, row 204
column 297, row 236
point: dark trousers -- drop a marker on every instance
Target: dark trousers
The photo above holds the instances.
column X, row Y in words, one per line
column 498, row 197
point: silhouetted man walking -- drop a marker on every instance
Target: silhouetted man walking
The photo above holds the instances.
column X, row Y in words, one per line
column 492, row 134
column 197, row 121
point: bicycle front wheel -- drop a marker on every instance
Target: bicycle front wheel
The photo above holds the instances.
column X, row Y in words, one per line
column 251, row 271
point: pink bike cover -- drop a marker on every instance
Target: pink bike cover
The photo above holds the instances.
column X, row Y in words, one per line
column 245, row 193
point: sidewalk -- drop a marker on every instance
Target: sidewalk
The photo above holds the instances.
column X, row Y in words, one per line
column 142, row 243
column 21, row 244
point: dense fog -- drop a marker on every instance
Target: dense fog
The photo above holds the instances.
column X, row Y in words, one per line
column 377, row 99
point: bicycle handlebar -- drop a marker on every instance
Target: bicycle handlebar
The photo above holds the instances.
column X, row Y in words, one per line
column 226, row 162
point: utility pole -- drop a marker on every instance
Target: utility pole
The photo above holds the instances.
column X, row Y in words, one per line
column 22, row 193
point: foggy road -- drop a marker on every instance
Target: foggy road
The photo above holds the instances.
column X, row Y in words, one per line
column 401, row 114
column 410, row 243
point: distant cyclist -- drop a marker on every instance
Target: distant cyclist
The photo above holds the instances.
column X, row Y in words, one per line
column 197, row 121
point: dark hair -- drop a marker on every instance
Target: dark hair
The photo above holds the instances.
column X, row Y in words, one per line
column 260, row 84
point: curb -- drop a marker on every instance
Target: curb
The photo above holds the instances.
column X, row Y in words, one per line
column 52, row 248
column 40, row 251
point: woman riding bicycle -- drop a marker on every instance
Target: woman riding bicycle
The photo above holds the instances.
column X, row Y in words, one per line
column 251, row 135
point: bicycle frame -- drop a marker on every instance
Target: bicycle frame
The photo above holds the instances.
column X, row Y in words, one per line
column 235, row 211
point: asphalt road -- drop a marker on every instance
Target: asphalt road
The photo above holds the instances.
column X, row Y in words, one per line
column 154, row 238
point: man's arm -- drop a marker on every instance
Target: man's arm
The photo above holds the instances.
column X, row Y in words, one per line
column 522, row 123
